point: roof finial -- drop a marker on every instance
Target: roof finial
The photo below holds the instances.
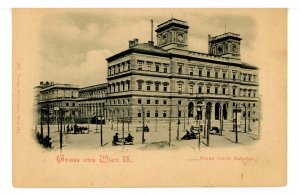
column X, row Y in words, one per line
column 151, row 30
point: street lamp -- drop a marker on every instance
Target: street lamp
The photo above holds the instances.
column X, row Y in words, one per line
column 235, row 121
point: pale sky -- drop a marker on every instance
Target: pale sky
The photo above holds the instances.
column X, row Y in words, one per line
column 73, row 44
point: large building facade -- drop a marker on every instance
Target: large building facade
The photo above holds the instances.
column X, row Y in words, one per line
column 168, row 82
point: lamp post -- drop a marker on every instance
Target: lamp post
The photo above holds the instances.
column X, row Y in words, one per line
column 208, row 110
column 156, row 116
column 178, row 122
column 170, row 126
column 235, row 111
column 184, row 118
column 101, row 130
column 41, row 121
column 236, row 126
column 249, row 119
column 112, row 119
column 128, row 120
column 245, row 129
column 143, row 130
column 48, row 120
column 117, row 119
column 199, row 118
column 97, row 115
column 123, row 126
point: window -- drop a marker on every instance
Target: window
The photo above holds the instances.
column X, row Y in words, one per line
column 157, row 67
column 128, row 65
column 224, row 90
column 208, row 90
column 156, row 87
column 249, row 105
column 179, row 113
column 73, row 104
column 254, row 94
column 249, row 93
column 233, row 92
column 149, row 66
column 233, row 76
column 165, row 114
column 148, row 113
column 245, row 77
column 254, row 105
column 156, row 113
column 165, row 88
column 249, row 78
column 233, row 104
column 191, row 89
column 179, row 102
column 123, row 101
column 165, row 102
column 139, row 86
column 148, row 101
column 179, row 88
column 208, row 73
column 140, row 65
column 165, row 69
column 224, row 75
column 199, row 89
column 216, row 90
column 180, row 70
column 67, row 104
column 191, row 71
column 148, row 87
column 216, row 75
column 139, row 114
column 200, row 72
column 139, row 101
column 156, row 101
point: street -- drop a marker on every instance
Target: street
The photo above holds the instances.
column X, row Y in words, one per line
column 156, row 138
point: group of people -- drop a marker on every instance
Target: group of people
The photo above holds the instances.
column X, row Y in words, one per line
column 189, row 135
column 127, row 140
column 76, row 129
column 45, row 141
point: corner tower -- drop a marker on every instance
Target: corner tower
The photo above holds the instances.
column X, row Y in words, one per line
column 172, row 34
column 225, row 45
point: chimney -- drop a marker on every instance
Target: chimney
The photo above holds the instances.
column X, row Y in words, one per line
column 136, row 41
column 131, row 44
column 41, row 83
column 151, row 43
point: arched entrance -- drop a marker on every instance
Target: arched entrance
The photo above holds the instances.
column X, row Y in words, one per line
column 191, row 109
column 225, row 112
column 208, row 110
column 217, row 110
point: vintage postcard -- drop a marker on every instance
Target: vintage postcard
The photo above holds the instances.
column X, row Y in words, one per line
column 149, row 97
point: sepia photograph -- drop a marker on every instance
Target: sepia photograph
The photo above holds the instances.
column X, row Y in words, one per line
column 129, row 94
